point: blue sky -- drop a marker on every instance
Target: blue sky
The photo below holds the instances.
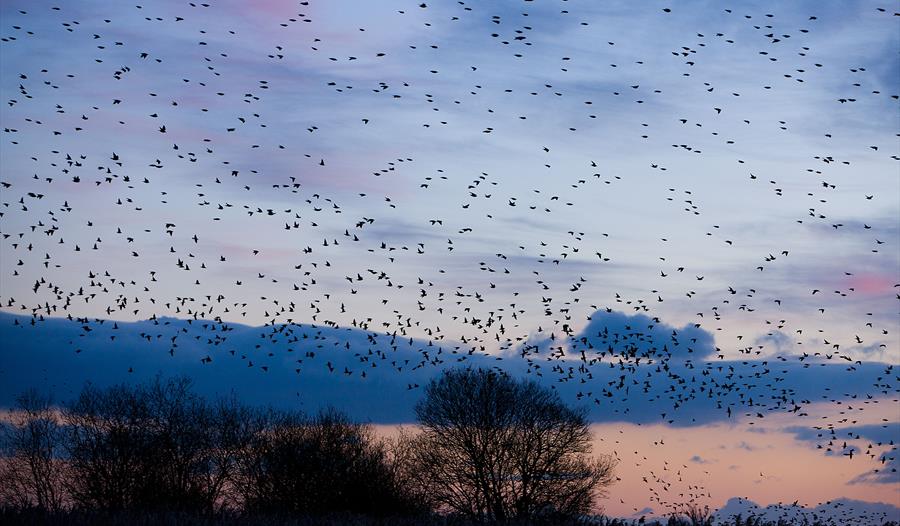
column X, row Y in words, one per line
column 484, row 177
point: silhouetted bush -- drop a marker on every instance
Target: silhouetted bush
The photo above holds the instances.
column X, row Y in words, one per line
column 321, row 465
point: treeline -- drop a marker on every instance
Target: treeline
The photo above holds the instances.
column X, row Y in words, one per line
column 488, row 449
column 161, row 448
column 686, row 518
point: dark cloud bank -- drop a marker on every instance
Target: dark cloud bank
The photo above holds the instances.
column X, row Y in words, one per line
column 313, row 366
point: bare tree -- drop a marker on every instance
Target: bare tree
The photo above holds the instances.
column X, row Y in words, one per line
column 232, row 429
column 698, row 515
column 152, row 446
column 405, row 464
column 31, row 468
column 182, row 444
column 497, row 449
column 106, row 447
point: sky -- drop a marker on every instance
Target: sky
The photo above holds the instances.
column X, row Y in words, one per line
column 665, row 211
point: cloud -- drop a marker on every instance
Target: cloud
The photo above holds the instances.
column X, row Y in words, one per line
column 838, row 511
column 778, row 340
column 888, row 474
column 646, row 511
column 377, row 376
column 371, row 376
column 877, row 440
column 885, row 437
column 748, row 447
column 697, row 459
column 639, row 336
column 616, row 334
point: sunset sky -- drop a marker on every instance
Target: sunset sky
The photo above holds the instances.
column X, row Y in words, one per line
column 684, row 216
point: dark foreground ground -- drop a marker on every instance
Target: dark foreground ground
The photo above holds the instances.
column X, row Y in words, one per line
column 90, row 518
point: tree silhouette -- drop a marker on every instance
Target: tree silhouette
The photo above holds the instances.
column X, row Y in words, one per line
column 152, row 446
column 497, row 449
column 31, row 468
column 160, row 447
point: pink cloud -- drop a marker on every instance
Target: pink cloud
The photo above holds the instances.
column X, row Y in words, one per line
column 871, row 284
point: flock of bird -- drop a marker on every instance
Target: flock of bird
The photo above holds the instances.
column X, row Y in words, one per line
column 434, row 176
